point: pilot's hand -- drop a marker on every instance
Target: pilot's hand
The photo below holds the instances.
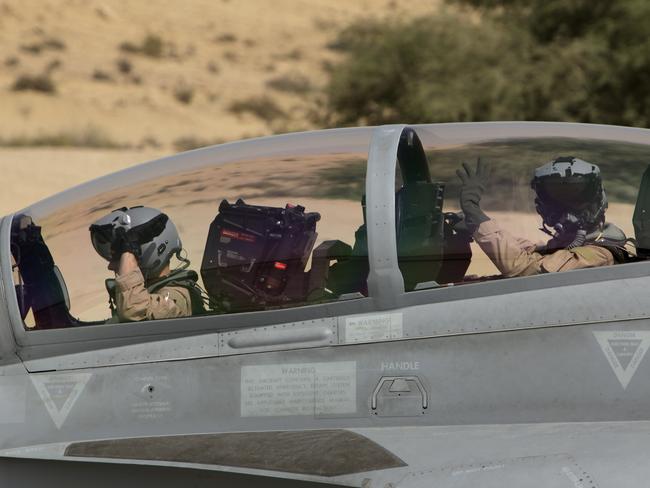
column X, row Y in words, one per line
column 125, row 242
column 471, row 191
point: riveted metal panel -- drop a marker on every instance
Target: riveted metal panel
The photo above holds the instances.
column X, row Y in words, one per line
column 148, row 352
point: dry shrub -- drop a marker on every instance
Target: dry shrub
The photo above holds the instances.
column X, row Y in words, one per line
column 184, row 94
column 12, row 61
column 231, row 56
column 225, row 38
column 39, row 83
column 261, row 106
column 129, row 47
column 124, row 66
column 187, row 143
column 53, row 66
column 90, row 137
column 152, row 46
column 100, row 75
column 290, row 83
column 295, row 55
column 49, row 44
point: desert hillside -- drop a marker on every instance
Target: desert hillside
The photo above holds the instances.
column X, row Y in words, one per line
column 157, row 77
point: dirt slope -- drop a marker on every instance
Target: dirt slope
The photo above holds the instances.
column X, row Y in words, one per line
column 202, row 56
column 112, row 86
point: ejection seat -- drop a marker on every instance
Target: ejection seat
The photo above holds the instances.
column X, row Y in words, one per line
column 430, row 249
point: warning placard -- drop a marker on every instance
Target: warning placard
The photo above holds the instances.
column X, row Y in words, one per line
column 299, row 389
column 368, row 328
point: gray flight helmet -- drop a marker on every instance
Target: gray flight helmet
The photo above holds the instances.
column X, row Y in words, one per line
column 156, row 234
column 570, row 187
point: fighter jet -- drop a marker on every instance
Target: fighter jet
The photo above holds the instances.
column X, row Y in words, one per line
column 354, row 330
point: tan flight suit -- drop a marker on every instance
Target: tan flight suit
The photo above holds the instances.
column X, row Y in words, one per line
column 517, row 257
column 135, row 303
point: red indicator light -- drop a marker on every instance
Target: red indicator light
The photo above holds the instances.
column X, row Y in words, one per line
column 240, row 236
column 279, row 265
column 229, row 233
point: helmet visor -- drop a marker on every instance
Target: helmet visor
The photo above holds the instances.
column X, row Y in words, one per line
column 571, row 193
column 101, row 237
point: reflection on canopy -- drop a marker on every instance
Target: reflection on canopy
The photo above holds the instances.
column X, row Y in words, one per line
column 510, row 200
column 330, row 184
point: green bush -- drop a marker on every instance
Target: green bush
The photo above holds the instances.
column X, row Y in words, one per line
column 438, row 68
column 583, row 60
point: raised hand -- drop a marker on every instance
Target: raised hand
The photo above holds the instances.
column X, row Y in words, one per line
column 473, row 184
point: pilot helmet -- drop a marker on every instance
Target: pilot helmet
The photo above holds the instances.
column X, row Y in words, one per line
column 153, row 230
column 570, row 195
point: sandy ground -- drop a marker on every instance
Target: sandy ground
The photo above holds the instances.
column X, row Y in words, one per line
column 222, row 51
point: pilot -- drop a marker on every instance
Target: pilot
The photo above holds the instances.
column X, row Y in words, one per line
column 138, row 243
column 571, row 201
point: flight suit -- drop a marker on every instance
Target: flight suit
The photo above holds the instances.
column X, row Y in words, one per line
column 134, row 303
column 517, row 257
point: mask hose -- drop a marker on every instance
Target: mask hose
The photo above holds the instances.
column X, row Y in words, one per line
column 579, row 240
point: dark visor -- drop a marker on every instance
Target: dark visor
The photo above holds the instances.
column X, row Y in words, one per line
column 101, row 234
column 569, row 192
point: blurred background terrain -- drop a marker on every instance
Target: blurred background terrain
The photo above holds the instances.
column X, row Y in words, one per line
column 88, row 87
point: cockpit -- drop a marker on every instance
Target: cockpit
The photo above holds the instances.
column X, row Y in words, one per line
column 333, row 216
